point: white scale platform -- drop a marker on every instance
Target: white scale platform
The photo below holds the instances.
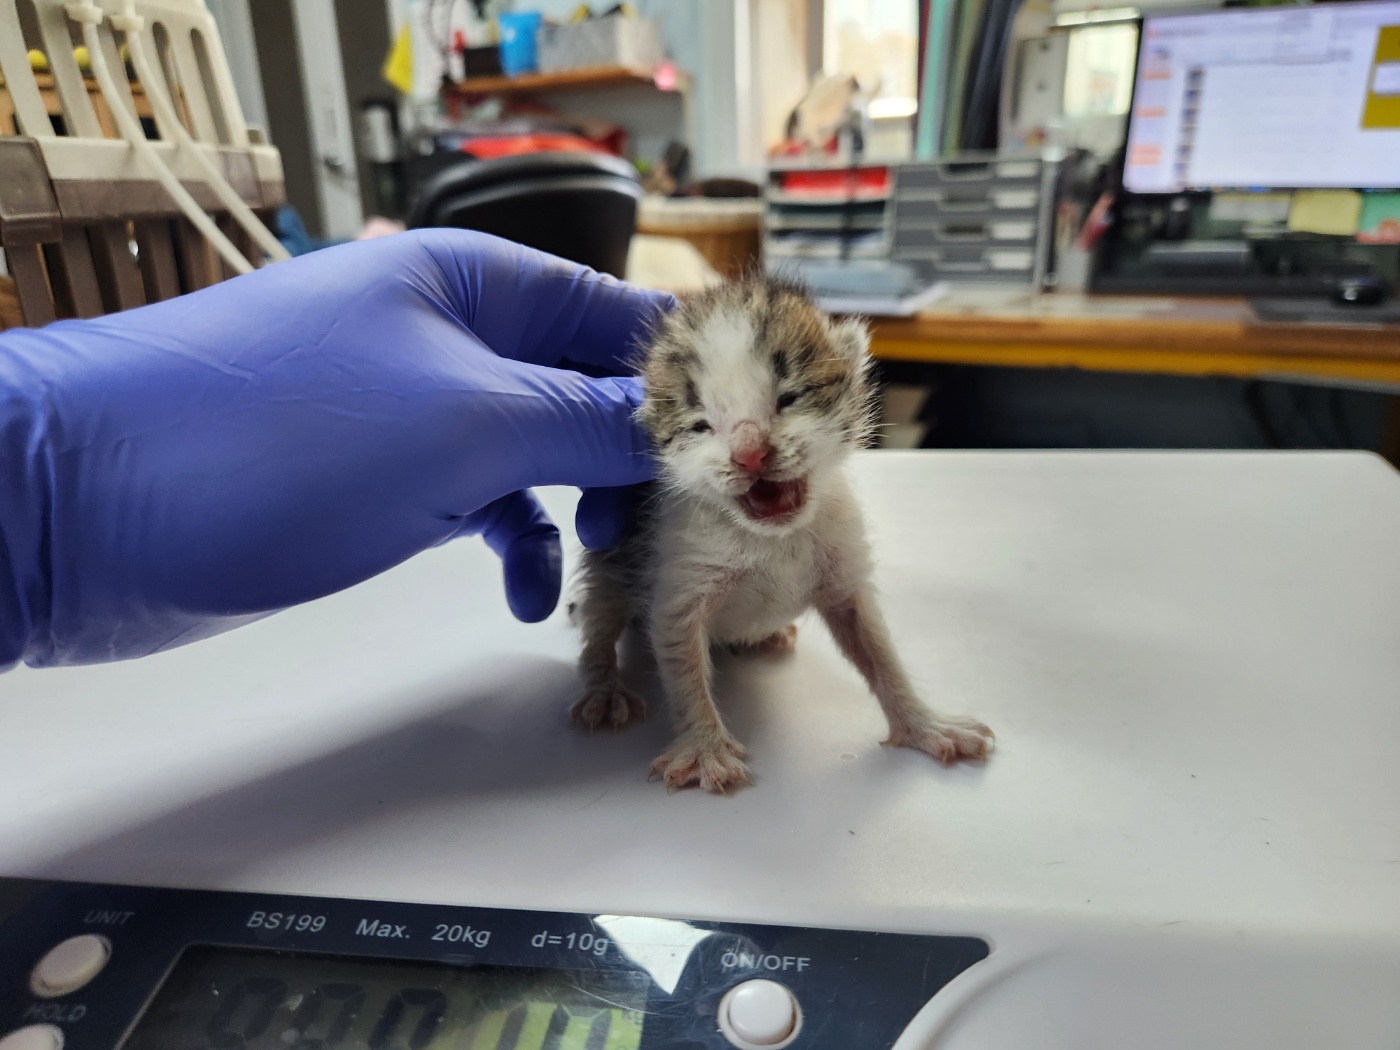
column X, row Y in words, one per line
column 1189, row 834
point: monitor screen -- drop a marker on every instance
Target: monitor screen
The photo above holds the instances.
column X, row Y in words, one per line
column 1280, row 98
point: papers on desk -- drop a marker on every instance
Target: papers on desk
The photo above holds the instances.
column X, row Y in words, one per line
column 877, row 288
column 884, row 306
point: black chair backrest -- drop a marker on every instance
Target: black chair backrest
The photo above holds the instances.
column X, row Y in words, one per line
column 580, row 206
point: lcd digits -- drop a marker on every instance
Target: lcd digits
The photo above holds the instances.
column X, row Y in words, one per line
column 411, row 1019
column 549, row 1026
column 240, row 999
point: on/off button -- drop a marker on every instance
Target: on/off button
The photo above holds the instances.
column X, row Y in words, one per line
column 70, row 965
column 759, row 1015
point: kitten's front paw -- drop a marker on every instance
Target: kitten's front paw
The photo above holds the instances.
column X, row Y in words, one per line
column 945, row 737
column 716, row 765
column 616, row 706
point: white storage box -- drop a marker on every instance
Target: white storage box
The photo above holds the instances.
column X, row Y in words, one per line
column 634, row 43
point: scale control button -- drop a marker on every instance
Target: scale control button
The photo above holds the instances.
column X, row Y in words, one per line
column 34, row 1037
column 759, row 1014
column 69, row 966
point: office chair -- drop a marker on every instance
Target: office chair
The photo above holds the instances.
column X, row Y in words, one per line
column 580, row 206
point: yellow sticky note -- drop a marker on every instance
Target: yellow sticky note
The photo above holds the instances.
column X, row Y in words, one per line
column 1325, row 211
column 398, row 65
column 1383, row 89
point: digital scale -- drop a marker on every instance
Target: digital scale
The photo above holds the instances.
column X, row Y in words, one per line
column 367, row 824
column 250, row 970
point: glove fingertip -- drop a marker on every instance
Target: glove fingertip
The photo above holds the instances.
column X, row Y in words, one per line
column 602, row 517
column 534, row 575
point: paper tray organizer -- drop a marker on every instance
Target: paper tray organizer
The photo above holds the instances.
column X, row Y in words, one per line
column 973, row 217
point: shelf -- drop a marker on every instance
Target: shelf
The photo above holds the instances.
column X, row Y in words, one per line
column 829, row 201
column 830, row 163
column 571, row 80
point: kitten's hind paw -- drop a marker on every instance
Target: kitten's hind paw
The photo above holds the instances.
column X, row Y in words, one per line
column 616, row 706
column 945, row 737
column 717, row 767
column 776, row 644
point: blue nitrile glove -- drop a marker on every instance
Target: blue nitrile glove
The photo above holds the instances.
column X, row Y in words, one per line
column 171, row 471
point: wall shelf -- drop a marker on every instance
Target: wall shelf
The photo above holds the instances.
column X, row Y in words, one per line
column 571, row 80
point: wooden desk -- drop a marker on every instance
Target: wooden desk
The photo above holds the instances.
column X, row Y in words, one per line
column 1198, row 337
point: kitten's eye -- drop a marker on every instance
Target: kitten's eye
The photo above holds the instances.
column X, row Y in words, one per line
column 700, row 428
column 787, row 400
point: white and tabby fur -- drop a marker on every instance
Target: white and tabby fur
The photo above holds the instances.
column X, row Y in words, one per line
column 753, row 360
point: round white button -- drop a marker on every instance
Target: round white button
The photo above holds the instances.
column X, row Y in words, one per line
column 70, row 965
column 760, row 1013
column 34, row 1037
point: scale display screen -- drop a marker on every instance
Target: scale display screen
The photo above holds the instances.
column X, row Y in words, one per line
column 219, row 998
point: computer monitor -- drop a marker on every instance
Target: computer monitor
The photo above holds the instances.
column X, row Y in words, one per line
column 1267, row 98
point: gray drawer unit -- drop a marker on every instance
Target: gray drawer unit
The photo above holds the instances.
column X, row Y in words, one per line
column 986, row 230
column 975, row 217
column 961, row 202
column 970, row 170
column 975, row 263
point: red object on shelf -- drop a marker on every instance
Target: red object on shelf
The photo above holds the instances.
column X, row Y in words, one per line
column 488, row 147
column 872, row 182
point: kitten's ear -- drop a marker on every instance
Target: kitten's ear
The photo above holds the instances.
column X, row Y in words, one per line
column 852, row 339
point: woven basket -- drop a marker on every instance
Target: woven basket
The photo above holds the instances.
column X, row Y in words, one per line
column 728, row 233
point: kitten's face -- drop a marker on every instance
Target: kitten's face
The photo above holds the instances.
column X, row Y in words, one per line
column 753, row 397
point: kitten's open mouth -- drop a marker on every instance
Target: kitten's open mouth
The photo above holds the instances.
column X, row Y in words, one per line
column 774, row 502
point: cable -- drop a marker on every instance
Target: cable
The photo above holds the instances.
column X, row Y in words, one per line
column 89, row 17
column 130, row 23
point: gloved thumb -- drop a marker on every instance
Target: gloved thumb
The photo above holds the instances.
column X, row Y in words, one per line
column 517, row 528
column 604, row 516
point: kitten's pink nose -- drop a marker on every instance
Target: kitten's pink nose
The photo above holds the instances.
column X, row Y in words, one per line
column 749, row 449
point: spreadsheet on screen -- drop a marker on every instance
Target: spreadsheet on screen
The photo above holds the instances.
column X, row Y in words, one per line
column 1267, row 98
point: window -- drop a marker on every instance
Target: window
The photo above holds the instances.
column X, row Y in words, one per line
column 792, row 41
column 1099, row 70
column 876, row 41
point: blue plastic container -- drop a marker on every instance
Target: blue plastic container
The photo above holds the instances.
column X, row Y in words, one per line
column 518, row 51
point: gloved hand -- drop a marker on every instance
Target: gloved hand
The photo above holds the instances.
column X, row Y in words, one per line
column 169, row 472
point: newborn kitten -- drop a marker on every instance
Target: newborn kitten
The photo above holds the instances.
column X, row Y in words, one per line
column 754, row 402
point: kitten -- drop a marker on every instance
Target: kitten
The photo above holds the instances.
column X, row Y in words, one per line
column 754, row 401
